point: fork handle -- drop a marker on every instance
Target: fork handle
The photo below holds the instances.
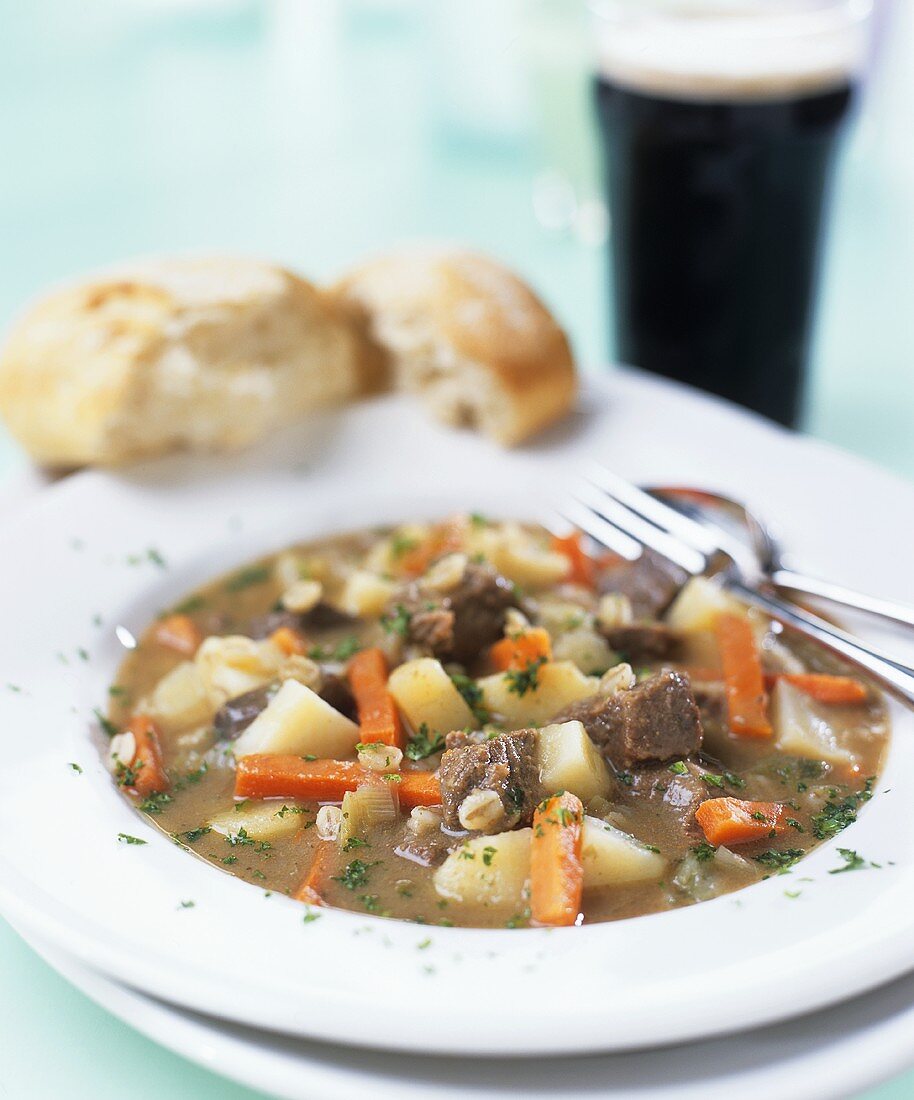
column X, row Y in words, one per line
column 895, row 676
column 846, row 597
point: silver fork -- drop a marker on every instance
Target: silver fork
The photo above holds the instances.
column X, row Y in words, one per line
column 625, row 519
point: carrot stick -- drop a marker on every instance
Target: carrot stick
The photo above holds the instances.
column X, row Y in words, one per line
column 745, row 685
column 828, row 689
column 583, row 567
column 556, row 870
column 518, row 652
column 310, row 889
column 378, row 717
column 151, row 776
column 733, row 821
column 282, row 775
column 419, row 788
column 821, row 686
column 178, row 632
column 289, row 641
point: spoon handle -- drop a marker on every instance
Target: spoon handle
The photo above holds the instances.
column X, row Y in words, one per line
column 846, row 597
column 894, row 675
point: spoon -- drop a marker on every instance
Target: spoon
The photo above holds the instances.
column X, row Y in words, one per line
column 746, row 527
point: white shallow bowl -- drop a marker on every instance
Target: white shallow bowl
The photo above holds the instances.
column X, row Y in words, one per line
column 836, row 1052
column 77, row 564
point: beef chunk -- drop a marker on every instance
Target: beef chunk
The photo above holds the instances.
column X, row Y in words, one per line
column 655, row 720
column 460, row 624
column 323, row 616
column 650, row 582
column 675, row 796
column 234, row 716
column 335, row 691
column 428, row 848
column 639, row 642
column 456, row 739
column 505, row 764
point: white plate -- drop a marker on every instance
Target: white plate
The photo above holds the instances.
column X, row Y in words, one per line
column 79, row 556
column 837, row 1052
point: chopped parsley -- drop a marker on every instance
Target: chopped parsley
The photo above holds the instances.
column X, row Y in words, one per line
column 155, row 802
column 519, row 920
column 126, row 838
column 342, row 651
column 193, row 834
column 192, row 603
column 852, row 862
column 402, row 544
column 355, row 842
column 247, row 578
column 522, row 680
column 488, row 854
column 398, row 622
column 373, row 904
column 704, row 851
column 355, row 874
column 187, row 904
column 107, row 725
column 76, row 768
column 837, row 815
column 679, row 768
column 310, row 917
column 472, row 694
column 422, row 745
column 780, row 859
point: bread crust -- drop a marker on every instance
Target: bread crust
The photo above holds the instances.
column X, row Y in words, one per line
column 207, row 353
column 467, row 335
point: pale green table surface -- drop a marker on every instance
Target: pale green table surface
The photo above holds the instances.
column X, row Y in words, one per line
column 315, row 131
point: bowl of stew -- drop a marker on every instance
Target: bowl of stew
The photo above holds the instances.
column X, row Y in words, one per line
column 472, row 722
column 351, row 747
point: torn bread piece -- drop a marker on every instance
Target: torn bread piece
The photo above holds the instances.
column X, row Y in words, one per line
column 469, row 337
column 198, row 353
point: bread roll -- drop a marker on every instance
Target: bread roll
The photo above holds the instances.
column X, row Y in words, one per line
column 201, row 353
column 468, row 336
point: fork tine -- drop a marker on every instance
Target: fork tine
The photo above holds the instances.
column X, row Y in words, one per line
column 599, row 530
column 650, row 508
column 614, row 512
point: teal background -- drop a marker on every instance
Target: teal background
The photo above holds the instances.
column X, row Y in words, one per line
column 316, row 131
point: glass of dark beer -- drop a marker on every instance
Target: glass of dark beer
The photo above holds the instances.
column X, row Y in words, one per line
column 720, row 123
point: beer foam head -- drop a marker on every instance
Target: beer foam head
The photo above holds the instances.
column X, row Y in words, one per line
column 731, row 49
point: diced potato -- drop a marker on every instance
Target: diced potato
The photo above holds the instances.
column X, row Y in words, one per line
column 559, row 616
column 425, row 693
column 613, row 858
column 180, row 700
column 698, row 604
column 569, row 761
column 586, row 648
column 297, row 720
column 267, row 820
column 365, row 594
column 802, row 728
column 558, row 683
column 493, row 871
column 234, row 664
